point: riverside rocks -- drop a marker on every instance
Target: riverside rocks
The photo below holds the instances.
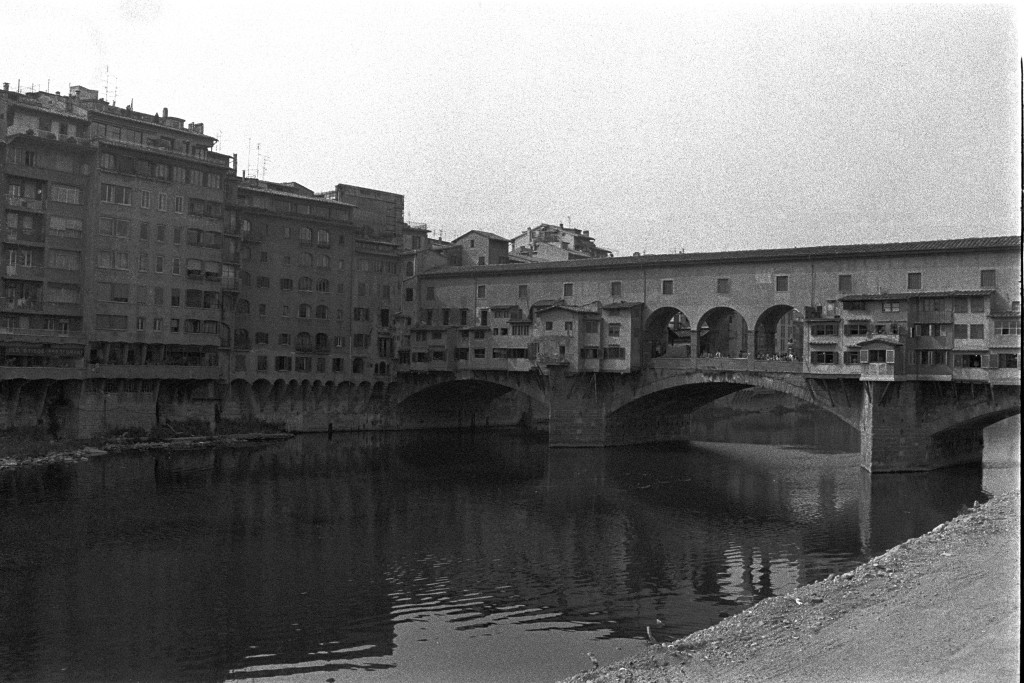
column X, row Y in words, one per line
column 126, row 445
column 941, row 607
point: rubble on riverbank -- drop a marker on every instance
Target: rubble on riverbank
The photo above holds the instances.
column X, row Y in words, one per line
column 129, row 444
column 941, row 607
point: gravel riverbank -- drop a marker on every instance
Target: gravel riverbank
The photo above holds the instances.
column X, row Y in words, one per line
column 120, row 446
column 941, row 607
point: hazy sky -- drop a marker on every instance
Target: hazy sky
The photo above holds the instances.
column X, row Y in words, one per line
column 655, row 126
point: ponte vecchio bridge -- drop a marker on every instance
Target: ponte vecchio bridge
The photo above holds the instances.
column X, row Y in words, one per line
column 916, row 345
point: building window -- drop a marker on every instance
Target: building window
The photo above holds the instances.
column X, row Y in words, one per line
column 481, row 291
column 913, row 280
column 988, row 279
column 1007, row 360
column 567, row 289
column 723, row 285
column 891, row 306
column 523, row 291
column 781, row 283
column 568, row 326
column 115, row 194
column 977, row 331
column 667, row 286
column 614, row 329
column 592, row 326
column 1008, row 327
column 845, row 283
column 616, row 289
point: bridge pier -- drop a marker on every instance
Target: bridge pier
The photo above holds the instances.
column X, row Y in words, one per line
column 900, row 430
column 577, row 411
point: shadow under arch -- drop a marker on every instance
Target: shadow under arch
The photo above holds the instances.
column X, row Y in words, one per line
column 779, row 332
column 722, row 331
column 665, row 403
column 468, row 402
column 667, row 332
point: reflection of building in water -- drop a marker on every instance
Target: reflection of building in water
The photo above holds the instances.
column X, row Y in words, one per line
column 752, row 574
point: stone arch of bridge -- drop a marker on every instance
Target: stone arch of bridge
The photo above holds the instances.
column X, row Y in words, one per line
column 778, row 332
column 962, row 415
column 485, row 387
column 722, row 331
column 694, row 389
column 666, row 332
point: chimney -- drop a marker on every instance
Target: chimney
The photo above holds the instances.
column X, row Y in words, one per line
column 560, row 225
column 165, row 114
column 7, row 86
column 586, row 233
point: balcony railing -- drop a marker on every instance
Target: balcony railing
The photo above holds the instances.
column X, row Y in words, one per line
column 26, row 204
column 21, row 305
column 34, row 272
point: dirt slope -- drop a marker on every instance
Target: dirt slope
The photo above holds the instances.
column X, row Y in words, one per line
column 941, row 607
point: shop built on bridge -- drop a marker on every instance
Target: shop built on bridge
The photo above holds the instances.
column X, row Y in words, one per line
column 916, row 345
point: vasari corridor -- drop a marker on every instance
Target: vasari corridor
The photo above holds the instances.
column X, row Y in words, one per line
column 253, row 430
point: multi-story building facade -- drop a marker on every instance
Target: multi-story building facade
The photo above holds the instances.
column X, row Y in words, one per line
column 937, row 309
column 48, row 175
column 157, row 250
column 134, row 204
column 291, row 318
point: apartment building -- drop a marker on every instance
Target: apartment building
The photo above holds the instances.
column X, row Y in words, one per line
column 292, row 316
column 47, row 172
column 114, row 231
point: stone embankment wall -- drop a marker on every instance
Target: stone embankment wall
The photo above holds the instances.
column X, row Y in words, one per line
column 76, row 409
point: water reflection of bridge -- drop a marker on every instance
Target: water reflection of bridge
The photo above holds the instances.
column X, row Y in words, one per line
column 284, row 560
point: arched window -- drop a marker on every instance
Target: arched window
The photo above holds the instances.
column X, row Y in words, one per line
column 302, row 340
column 322, row 342
column 323, row 238
column 305, row 235
column 321, row 312
column 306, row 259
column 305, row 310
column 241, row 338
column 323, row 261
column 305, row 284
column 323, row 286
column 244, row 277
column 357, row 365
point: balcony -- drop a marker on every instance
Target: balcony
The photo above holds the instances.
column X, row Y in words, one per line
column 877, row 372
column 33, row 332
column 26, row 204
column 16, row 237
column 933, row 317
column 21, row 305
column 30, row 272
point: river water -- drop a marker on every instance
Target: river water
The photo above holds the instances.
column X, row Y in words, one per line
column 435, row 556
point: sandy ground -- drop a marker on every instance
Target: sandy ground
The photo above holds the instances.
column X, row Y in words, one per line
column 941, row 607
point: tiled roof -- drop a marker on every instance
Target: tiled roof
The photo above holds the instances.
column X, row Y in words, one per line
column 488, row 235
column 1000, row 243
